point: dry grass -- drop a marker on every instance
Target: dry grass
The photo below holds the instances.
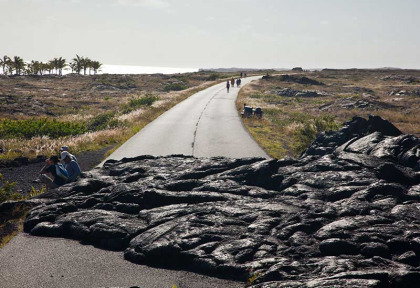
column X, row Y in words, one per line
column 346, row 93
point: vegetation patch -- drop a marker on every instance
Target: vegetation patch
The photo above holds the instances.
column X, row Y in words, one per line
column 29, row 128
column 214, row 76
column 103, row 121
column 175, row 87
column 7, row 192
column 138, row 102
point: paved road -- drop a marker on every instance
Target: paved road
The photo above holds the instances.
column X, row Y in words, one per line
column 28, row 262
column 205, row 125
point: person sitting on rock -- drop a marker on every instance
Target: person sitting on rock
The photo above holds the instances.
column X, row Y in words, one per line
column 66, row 148
column 51, row 168
column 73, row 169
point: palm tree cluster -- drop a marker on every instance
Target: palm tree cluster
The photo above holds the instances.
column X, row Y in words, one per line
column 17, row 66
column 83, row 63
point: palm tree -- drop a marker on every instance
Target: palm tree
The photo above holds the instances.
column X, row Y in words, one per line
column 83, row 63
column 30, row 68
column 33, row 67
column 42, row 67
column 53, row 65
column 5, row 62
column 96, row 65
column 72, row 66
column 18, row 64
column 49, row 66
column 61, row 63
column 86, row 63
column 39, row 67
column 77, row 64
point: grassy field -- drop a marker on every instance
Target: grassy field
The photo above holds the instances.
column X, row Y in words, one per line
column 298, row 106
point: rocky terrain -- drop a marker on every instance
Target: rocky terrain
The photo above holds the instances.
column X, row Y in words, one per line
column 346, row 213
column 295, row 104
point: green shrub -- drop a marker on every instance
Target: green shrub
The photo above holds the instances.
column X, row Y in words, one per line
column 147, row 100
column 7, row 191
column 175, row 87
column 30, row 128
column 103, row 121
column 137, row 102
column 213, row 77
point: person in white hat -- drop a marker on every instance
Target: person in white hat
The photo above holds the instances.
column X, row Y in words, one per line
column 66, row 148
column 73, row 169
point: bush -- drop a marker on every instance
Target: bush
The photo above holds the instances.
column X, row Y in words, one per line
column 103, row 121
column 137, row 102
column 147, row 100
column 30, row 128
column 7, row 191
column 213, row 77
column 175, row 87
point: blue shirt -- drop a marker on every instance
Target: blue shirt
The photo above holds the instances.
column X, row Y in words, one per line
column 73, row 169
column 57, row 180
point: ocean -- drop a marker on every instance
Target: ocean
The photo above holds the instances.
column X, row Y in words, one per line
column 128, row 69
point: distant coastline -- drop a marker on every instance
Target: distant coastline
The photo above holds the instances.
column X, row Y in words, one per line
column 131, row 69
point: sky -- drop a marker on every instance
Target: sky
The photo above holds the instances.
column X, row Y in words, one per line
column 216, row 33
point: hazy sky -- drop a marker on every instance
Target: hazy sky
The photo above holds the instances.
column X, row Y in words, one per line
column 216, row 33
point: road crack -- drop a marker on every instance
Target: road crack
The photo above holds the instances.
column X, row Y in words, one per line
column 199, row 119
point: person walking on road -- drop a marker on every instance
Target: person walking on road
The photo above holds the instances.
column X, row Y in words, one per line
column 238, row 82
column 227, row 86
column 232, row 82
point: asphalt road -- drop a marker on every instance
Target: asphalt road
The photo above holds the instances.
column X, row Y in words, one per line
column 28, row 262
column 204, row 125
